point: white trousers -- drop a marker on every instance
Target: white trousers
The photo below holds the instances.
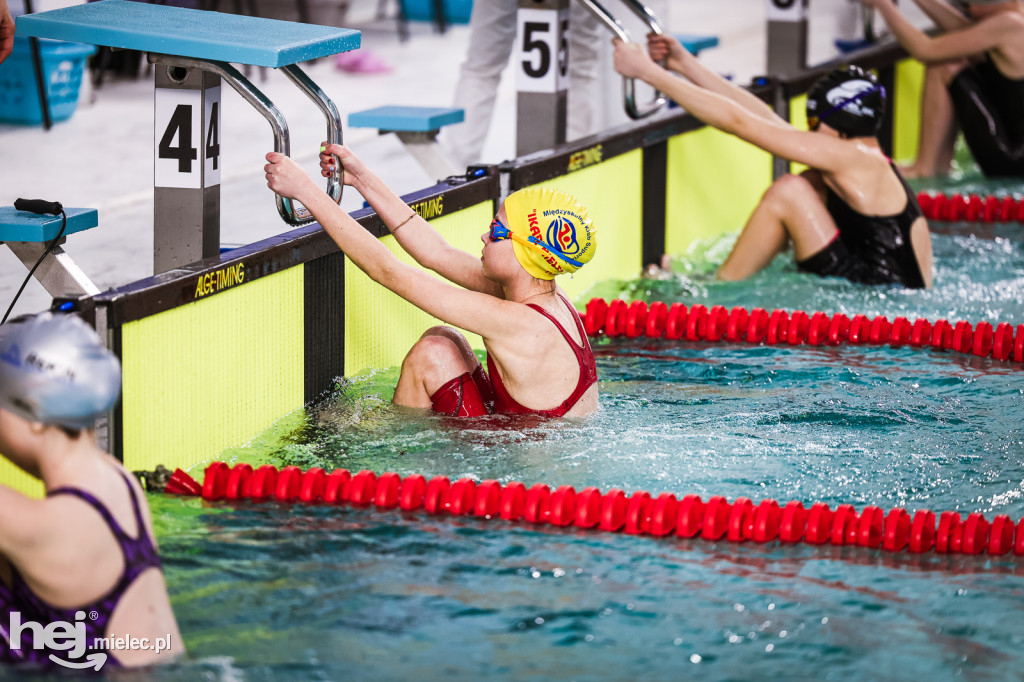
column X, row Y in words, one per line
column 492, row 36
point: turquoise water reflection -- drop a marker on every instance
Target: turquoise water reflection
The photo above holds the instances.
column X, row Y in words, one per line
column 271, row 592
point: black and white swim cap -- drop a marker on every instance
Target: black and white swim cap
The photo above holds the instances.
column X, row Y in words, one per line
column 55, row 370
column 849, row 100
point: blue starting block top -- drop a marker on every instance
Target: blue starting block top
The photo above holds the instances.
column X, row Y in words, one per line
column 199, row 34
column 22, row 226
column 695, row 43
column 406, row 119
column 846, row 46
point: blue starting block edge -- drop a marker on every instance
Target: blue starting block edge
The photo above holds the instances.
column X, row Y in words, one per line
column 406, row 119
column 695, row 43
column 22, row 226
column 199, row 34
column 847, row 46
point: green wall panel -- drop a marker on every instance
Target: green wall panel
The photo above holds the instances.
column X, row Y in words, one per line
column 714, row 182
column 212, row 374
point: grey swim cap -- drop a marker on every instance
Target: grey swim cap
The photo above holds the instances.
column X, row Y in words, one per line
column 55, row 370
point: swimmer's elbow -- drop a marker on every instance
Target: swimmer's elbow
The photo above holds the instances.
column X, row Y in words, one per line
column 746, row 125
column 733, row 122
column 386, row 274
column 926, row 50
column 381, row 266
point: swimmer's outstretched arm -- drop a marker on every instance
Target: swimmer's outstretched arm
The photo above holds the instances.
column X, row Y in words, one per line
column 679, row 60
column 413, row 233
column 974, row 39
column 945, row 16
column 474, row 311
column 771, row 134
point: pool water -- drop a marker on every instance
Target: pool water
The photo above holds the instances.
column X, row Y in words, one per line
column 272, row 592
column 275, row 592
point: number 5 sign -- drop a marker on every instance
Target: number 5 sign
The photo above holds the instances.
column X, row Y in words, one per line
column 187, row 137
column 542, row 50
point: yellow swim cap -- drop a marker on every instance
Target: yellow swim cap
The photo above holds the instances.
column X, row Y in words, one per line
column 557, row 226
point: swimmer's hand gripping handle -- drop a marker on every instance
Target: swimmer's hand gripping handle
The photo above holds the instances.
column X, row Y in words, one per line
column 38, row 206
column 291, row 212
column 616, row 27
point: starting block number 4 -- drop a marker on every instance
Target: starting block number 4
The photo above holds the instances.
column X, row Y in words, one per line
column 542, row 50
column 187, row 147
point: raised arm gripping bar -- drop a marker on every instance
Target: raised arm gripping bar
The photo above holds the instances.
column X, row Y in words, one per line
column 616, row 27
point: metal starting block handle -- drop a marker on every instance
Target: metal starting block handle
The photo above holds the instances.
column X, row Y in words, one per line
column 291, row 212
column 629, row 84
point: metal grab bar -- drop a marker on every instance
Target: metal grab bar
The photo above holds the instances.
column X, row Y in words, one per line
column 867, row 15
column 616, row 27
column 334, row 132
column 290, row 212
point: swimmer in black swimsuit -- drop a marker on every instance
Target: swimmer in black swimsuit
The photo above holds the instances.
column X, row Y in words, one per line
column 975, row 78
column 850, row 215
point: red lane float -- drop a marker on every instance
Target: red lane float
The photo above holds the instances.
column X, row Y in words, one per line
column 638, row 514
column 736, row 328
column 675, row 325
column 971, row 208
column 659, row 320
column 817, row 329
column 696, row 323
column 311, row 489
column 663, row 515
column 757, row 325
column 636, row 319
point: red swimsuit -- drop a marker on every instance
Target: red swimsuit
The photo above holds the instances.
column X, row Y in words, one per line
column 479, row 394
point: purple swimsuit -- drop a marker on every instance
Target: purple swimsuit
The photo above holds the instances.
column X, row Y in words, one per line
column 139, row 555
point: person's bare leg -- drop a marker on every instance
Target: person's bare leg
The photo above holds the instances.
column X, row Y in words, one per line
column 439, row 356
column 792, row 209
column 938, row 123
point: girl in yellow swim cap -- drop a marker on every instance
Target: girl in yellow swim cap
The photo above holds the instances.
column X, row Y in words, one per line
column 538, row 357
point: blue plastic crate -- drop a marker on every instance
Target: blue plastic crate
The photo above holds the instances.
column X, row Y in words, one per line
column 455, row 11
column 63, row 66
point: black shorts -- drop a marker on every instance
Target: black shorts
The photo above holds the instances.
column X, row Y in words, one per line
column 984, row 101
column 839, row 260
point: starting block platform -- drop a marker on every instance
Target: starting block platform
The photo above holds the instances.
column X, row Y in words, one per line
column 23, row 226
column 694, row 44
column 417, row 129
column 199, row 34
column 406, row 119
column 28, row 234
column 194, row 52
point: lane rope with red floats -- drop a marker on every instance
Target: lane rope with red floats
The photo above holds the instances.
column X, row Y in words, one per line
column 739, row 325
column 971, row 208
column 715, row 519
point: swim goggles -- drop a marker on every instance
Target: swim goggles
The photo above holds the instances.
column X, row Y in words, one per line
column 499, row 232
